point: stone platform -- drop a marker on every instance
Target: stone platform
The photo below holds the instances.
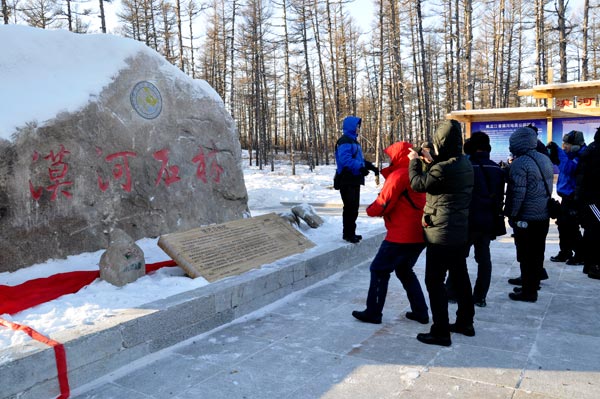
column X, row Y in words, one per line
column 94, row 351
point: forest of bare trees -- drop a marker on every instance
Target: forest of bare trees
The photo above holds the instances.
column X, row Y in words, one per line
column 289, row 71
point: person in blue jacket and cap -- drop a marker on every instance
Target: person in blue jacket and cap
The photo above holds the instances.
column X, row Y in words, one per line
column 569, row 233
column 351, row 170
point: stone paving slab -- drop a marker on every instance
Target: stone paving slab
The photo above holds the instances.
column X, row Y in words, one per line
column 308, row 345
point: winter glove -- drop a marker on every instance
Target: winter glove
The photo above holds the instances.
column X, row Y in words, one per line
column 364, row 171
column 552, row 148
column 370, row 166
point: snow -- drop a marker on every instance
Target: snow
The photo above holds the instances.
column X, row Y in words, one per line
column 64, row 71
column 266, row 191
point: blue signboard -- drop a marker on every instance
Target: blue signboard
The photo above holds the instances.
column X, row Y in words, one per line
column 500, row 131
column 587, row 125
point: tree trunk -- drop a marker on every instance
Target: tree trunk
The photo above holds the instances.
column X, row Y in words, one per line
column 309, row 92
column 426, row 105
column 562, row 39
column 102, row 17
column 231, row 56
column 584, row 40
column 179, row 33
column 468, row 42
column 288, row 126
column 380, row 91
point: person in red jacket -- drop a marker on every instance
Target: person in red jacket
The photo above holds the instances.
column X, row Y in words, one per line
column 401, row 209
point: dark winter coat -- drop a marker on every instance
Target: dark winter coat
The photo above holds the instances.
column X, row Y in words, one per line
column 349, row 155
column 526, row 197
column 402, row 218
column 448, row 183
column 488, row 193
column 587, row 189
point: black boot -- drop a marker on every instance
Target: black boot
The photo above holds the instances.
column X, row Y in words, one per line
column 366, row 317
column 560, row 257
column 353, row 239
column 375, row 299
column 421, row 319
column 594, row 272
column 464, row 329
column 515, row 281
column 518, row 290
column 522, row 297
column 430, row 339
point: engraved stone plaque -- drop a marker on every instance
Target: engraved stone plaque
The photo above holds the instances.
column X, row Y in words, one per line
column 231, row 248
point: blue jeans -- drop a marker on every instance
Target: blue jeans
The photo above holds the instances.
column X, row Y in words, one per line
column 398, row 258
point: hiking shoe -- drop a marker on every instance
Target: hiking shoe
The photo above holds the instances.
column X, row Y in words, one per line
column 520, row 297
column 575, row 261
column 353, row 239
column 463, row 329
column 518, row 290
column 594, row 272
column 430, row 339
column 366, row 317
column 560, row 257
column 515, row 281
column 482, row 303
column 415, row 317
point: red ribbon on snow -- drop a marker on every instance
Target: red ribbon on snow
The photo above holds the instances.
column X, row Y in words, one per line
column 14, row 299
column 59, row 354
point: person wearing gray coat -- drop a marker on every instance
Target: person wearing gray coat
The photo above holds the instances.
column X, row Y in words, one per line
column 527, row 209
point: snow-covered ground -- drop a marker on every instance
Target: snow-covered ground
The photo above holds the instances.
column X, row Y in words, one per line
column 266, row 191
column 49, row 71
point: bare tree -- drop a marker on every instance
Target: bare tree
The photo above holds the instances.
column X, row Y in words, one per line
column 584, row 40
column 102, row 16
column 5, row 12
column 561, row 10
column 42, row 13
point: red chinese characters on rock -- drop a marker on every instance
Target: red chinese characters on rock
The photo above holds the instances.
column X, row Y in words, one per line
column 57, row 173
column 170, row 173
column 214, row 172
column 207, row 169
column 120, row 169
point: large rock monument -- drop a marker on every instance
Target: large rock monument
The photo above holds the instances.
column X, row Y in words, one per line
column 150, row 152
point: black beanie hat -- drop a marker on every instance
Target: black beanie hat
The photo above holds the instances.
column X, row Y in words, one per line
column 479, row 141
